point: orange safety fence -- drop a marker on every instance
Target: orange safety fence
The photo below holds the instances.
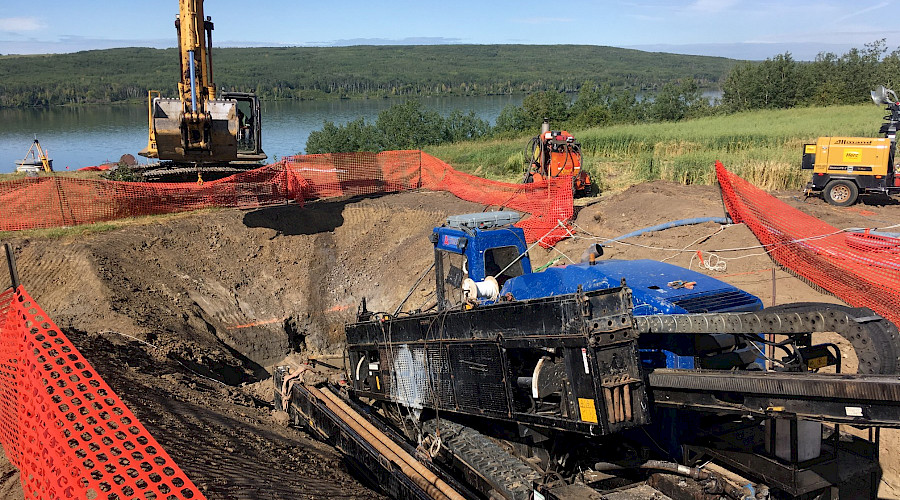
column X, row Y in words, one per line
column 60, row 201
column 549, row 203
column 861, row 269
column 61, row 425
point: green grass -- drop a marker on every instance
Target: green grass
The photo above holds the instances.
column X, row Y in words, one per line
column 764, row 147
column 70, row 174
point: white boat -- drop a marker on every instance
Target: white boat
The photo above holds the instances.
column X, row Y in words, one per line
column 39, row 161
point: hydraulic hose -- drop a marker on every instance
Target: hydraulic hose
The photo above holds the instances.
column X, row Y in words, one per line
column 670, row 225
column 748, row 492
column 596, row 249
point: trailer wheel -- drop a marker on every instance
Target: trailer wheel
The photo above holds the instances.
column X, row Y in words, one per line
column 841, row 193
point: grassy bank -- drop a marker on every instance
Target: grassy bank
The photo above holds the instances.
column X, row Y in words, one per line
column 764, row 147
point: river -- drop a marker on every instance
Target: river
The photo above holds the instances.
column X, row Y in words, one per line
column 90, row 135
column 81, row 136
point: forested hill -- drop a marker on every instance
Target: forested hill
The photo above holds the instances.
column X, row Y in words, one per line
column 103, row 76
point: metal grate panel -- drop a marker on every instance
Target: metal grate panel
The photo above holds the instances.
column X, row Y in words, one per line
column 734, row 300
column 478, row 378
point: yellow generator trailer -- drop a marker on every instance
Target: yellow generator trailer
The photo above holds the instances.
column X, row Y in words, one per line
column 845, row 167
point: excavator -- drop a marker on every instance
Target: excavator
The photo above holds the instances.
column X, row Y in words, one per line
column 200, row 130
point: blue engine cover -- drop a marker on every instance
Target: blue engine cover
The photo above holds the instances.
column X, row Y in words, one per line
column 648, row 280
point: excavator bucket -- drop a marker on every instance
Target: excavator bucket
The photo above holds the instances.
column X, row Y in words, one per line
column 215, row 140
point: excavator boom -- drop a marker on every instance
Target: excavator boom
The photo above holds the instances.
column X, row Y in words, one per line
column 197, row 128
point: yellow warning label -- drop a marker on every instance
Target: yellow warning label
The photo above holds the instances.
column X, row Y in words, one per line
column 852, row 156
column 588, row 410
column 820, row 362
column 810, row 149
column 377, row 383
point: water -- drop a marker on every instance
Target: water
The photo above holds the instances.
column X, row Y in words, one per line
column 90, row 135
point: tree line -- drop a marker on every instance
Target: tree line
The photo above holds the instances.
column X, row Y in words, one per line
column 410, row 126
column 116, row 75
column 782, row 82
column 778, row 82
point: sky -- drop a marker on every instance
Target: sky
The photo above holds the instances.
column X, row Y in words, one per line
column 728, row 28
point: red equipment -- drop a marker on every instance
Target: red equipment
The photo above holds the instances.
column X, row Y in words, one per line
column 556, row 153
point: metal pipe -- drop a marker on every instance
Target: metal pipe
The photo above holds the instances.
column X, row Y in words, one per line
column 193, row 81
column 610, row 409
column 627, row 402
column 417, row 472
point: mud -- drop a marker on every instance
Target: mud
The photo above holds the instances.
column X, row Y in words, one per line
column 186, row 316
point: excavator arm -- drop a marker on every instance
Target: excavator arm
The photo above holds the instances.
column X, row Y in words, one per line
column 198, row 128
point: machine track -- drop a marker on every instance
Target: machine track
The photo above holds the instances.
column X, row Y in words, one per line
column 874, row 339
column 506, row 474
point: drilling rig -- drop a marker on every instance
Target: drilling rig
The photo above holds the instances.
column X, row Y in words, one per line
column 601, row 379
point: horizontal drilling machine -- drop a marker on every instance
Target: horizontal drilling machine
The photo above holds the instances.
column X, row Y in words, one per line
column 601, row 379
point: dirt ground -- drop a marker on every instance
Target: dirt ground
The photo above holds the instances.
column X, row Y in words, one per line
column 185, row 316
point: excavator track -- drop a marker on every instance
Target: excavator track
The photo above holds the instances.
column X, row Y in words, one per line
column 505, row 474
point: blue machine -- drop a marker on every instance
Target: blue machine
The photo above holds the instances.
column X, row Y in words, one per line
column 492, row 249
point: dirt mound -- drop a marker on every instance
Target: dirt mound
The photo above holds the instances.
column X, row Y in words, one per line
column 185, row 315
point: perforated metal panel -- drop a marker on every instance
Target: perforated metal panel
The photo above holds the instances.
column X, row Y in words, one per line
column 478, row 378
column 441, row 392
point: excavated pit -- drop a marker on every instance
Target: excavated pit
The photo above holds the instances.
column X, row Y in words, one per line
column 185, row 316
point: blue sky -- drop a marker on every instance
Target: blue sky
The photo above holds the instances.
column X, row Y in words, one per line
column 731, row 28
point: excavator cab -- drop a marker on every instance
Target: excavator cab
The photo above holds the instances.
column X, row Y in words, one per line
column 249, row 136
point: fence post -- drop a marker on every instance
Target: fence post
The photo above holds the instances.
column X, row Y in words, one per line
column 11, row 263
column 419, row 184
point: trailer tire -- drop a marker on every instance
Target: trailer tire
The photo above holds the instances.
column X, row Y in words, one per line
column 876, row 342
column 507, row 475
column 841, row 193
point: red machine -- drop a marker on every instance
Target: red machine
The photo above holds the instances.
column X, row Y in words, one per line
column 555, row 153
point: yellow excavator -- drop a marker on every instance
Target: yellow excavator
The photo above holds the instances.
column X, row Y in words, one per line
column 198, row 130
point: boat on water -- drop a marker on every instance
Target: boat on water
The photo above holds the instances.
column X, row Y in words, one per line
column 39, row 161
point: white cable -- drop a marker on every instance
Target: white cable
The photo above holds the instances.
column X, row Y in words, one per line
column 738, row 249
column 712, row 263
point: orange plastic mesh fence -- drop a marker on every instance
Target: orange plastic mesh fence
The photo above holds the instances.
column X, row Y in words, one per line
column 353, row 174
column 61, row 425
column 60, row 201
column 862, row 270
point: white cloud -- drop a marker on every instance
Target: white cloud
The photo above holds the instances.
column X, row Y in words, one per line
column 712, row 6
column 19, row 24
column 544, row 20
